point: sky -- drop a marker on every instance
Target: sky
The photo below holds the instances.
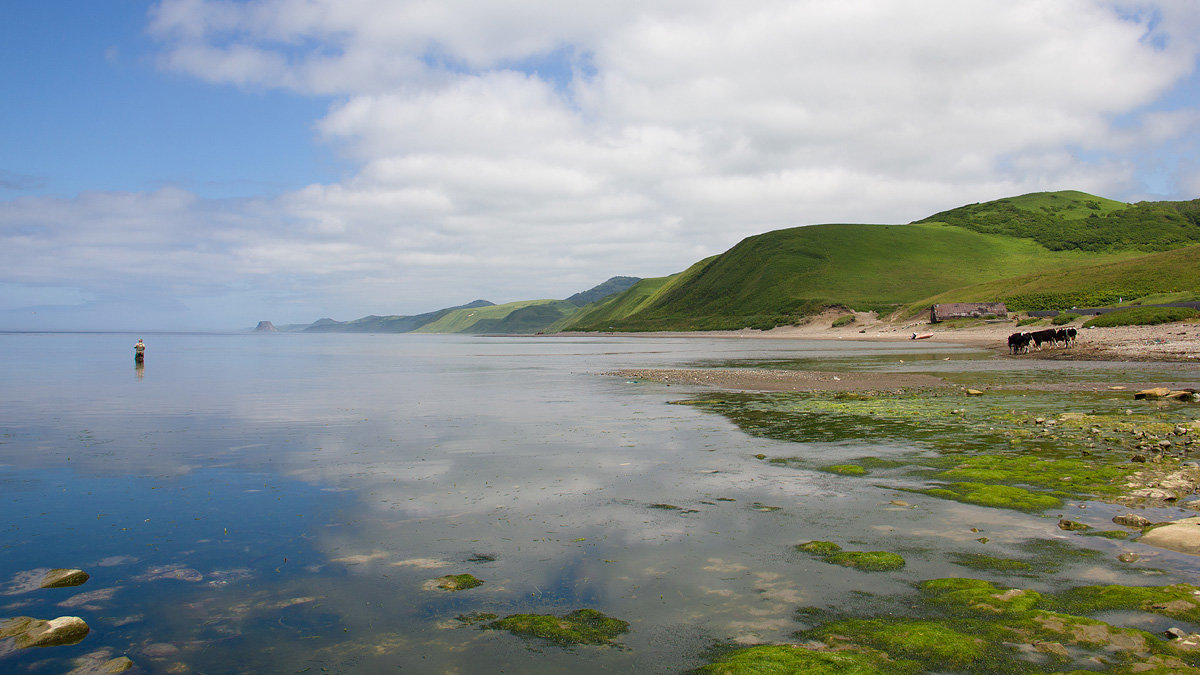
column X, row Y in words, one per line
column 207, row 164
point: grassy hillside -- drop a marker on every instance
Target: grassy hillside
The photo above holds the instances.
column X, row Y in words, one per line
column 1041, row 249
column 779, row 277
column 616, row 309
column 528, row 316
column 1072, row 220
column 1157, row 277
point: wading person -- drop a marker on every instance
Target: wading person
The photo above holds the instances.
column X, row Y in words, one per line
column 139, row 351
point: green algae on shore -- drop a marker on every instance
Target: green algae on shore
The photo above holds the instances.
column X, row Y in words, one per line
column 581, row 627
column 866, row 561
column 977, row 595
column 845, row 469
column 1021, row 450
column 457, row 582
column 998, row 496
column 968, row 625
column 820, row 548
column 1178, row 601
column 1053, row 422
column 915, row 639
column 766, row 659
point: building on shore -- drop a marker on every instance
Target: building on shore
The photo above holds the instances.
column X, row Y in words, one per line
column 967, row 310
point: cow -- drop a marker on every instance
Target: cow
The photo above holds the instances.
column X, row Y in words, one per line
column 1042, row 337
column 1018, row 343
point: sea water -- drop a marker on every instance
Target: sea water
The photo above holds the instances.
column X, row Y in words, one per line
column 282, row 502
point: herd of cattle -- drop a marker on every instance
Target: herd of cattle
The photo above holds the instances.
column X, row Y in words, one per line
column 1019, row 343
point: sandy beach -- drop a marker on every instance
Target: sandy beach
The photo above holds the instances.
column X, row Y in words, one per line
column 1166, row 342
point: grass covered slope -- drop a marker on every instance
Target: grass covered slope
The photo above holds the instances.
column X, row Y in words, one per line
column 618, row 308
column 1030, row 251
column 779, row 277
column 1165, row 273
column 1072, row 220
column 528, row 316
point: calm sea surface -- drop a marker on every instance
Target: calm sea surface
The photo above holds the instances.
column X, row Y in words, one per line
column 280, row 502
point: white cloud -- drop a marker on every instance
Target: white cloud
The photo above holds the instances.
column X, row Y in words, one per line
column 523, row 149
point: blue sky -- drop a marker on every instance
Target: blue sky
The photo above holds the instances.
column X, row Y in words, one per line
column 89, row 110
column 204, row 164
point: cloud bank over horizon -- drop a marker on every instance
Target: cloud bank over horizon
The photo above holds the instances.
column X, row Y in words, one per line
column 514, row 151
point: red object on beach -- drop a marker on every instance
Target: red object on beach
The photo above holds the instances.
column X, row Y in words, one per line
column 922, row 336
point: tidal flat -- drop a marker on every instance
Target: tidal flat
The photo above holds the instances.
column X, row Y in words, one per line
column 368, row 503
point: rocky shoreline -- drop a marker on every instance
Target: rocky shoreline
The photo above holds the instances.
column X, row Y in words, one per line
column 998, row 447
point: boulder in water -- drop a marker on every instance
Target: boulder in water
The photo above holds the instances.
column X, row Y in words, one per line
column 64, row 578
column 30, row 632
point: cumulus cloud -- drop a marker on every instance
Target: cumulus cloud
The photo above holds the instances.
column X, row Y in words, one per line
column 518, row 150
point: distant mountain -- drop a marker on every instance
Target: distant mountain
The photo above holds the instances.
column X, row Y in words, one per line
column 480, row 316
column 526, row 316
column 611, row 287
column 388, row 324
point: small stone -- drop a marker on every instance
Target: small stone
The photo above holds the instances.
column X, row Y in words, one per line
column 1132, row 520
column 1177, row 633
column 974, row 392
column 64, row 578
column 982, row 540
column 100, row 662
column 1141, row 459
column 1054, row 648
column 1180, row 431
column 1072, row 526
column 1152, row 394
column 899, row 502
column 1128, row 557
column 160, row 650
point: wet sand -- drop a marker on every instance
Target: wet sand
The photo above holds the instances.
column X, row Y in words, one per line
column 1167, row 342
column 757, row 379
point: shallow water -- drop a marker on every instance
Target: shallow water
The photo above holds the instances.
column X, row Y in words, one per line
column 278, row 503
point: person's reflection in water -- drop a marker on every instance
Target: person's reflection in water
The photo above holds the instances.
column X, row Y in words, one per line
column 139, row 367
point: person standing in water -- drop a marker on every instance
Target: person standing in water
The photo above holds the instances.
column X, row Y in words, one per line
column 139, row 351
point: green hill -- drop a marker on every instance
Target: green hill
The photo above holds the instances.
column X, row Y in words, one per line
column 528, row 316
column 612, row 310
column 779, row 277
column 1166, row 276
column 1078, row 221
